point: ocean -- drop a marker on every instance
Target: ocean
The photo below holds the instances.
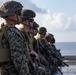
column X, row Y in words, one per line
column 66, row 48
column 71, row 70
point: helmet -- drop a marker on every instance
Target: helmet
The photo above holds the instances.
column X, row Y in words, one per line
column 8, row 8
column 50, row 38
column 50, row 35
column 42, row 30
column 28, row 13
column 35, row 25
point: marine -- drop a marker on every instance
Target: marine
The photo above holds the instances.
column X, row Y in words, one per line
column 26, row 27
column 51, row 41
column 41, row 39
column 13, row 40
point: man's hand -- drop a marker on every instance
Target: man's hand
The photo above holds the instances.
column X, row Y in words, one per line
column 33, row 53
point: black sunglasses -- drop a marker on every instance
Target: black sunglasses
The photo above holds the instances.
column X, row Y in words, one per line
column 25, row 19
column 18, row 13
column 31, row 20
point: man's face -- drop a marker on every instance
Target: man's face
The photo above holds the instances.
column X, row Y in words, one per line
column 31, row 21
column 42, row 35
column 28, row 22
column 35, row 32
column 31, row 31
column 26, row 28
column 16, row 17
column 19, row 16
column 26, row 25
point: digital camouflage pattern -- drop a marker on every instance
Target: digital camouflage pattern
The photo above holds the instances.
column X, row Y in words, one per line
column 43, row 60
column 40, row 70
column 18, row 65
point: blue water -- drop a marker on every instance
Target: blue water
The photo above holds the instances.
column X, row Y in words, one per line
column 66, row 48
column 71, row 70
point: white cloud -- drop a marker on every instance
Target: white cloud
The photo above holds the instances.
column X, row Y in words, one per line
column 60, row 24
column 28, row 4
column 72, row 24
column 65, row 36
column 57, row 21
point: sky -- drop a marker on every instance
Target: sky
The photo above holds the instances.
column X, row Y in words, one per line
column 58, row 16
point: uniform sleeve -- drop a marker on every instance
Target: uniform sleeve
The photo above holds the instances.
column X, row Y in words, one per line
column 18, row 52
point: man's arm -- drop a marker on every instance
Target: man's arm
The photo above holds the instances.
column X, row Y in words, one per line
column 18, row 52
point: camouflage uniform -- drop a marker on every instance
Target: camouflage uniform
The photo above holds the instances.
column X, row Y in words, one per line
column 41, row 69
column 17, row 44
column 50, row 38
column 37, row 48
column 50, row 41
column 18, row 65
column 27, row 14
column 43, row 60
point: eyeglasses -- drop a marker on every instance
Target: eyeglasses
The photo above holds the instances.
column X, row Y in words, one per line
column 31, row 20
column 18, row 12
